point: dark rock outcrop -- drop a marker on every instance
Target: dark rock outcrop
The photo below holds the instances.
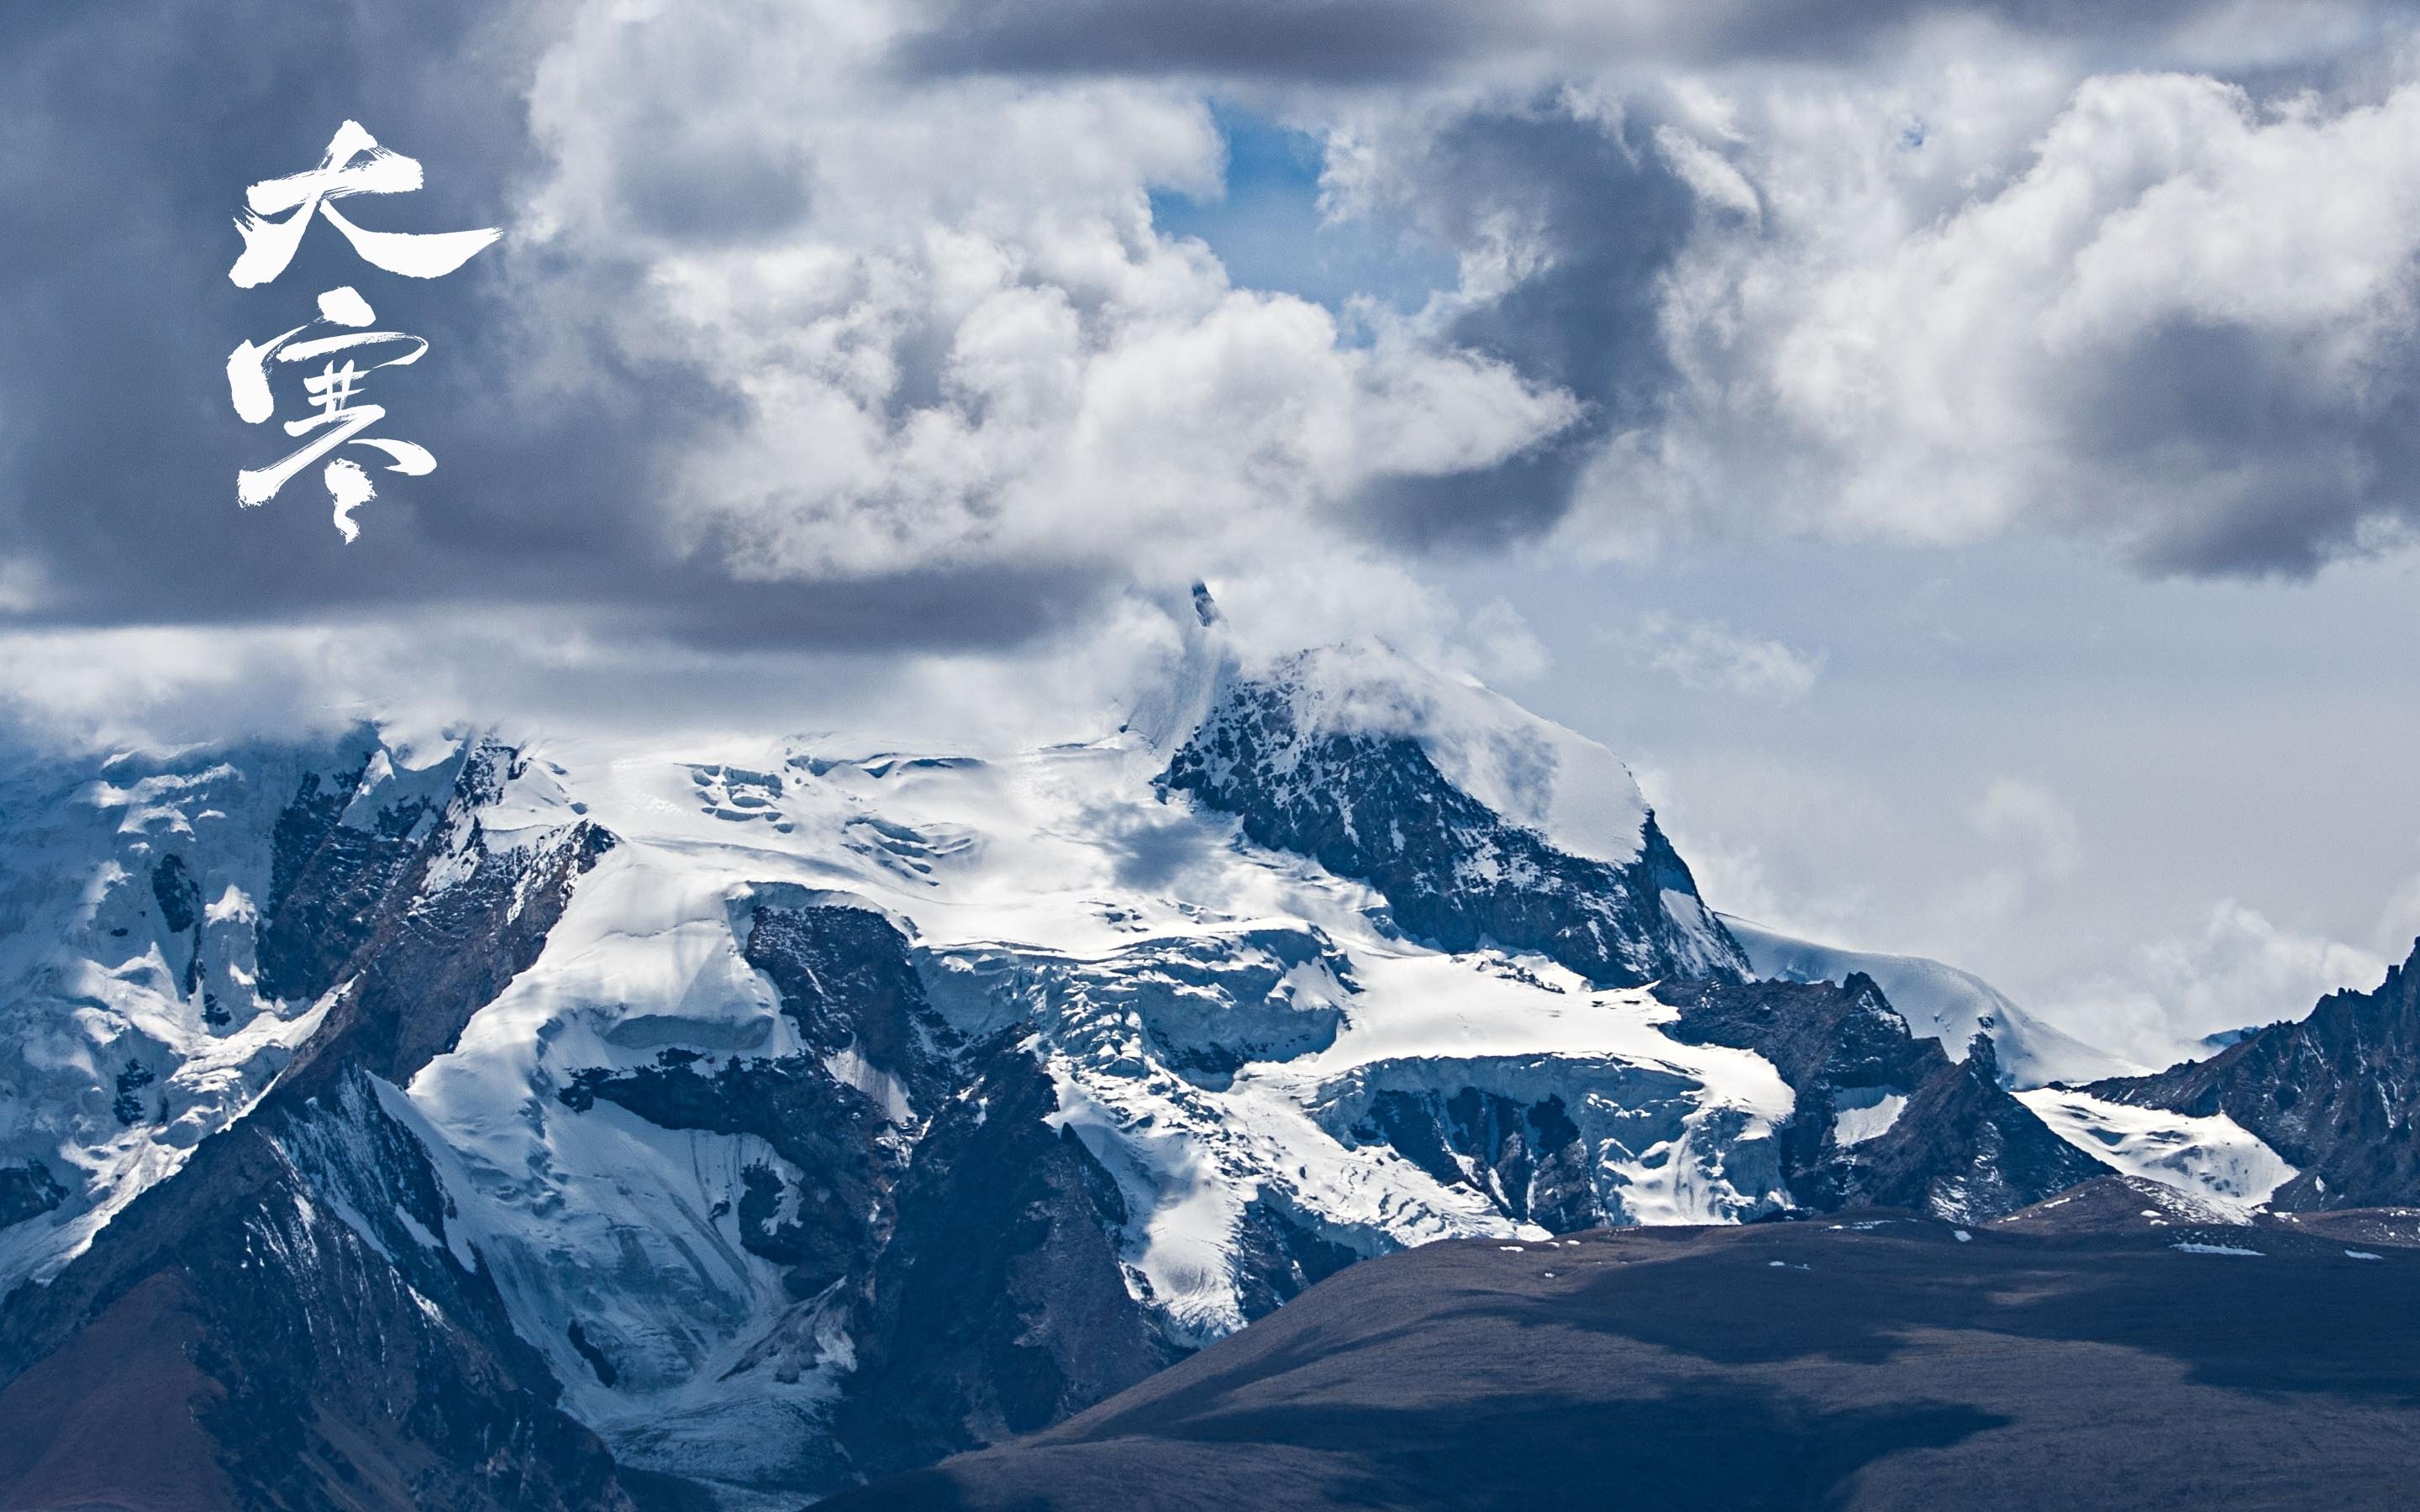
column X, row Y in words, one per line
column 1961, row 1150
column 29, row 1190
column 1834, row 1046
column 1455, row 873
column 327, row 877
column 1821, row 1038
column 179, row 897
column 849, row 981
column 1527, row 1158
column 1960, row 1146
column 998, row 1305
column 1280, row 1257
column 2337, row 1094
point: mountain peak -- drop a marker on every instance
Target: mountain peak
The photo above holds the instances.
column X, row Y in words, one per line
column 1571, row 790
column 2332, row 1093
column 1476, row 819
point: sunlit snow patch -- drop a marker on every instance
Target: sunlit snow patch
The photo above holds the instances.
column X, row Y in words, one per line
column 2214, row 1158
column 1855, row 1125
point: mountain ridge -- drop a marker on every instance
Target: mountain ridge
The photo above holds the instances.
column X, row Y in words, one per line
column 682, row 1080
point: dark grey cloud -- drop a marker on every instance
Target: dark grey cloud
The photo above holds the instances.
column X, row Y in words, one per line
column 1606, row 213
column 1322, row 39
column 131, row 134
column 1382, row 42
column 2286, row 473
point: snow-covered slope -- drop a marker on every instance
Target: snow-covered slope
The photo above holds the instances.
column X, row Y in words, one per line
column 136, row 901
column 2212, row 1158
column 1938, row 1001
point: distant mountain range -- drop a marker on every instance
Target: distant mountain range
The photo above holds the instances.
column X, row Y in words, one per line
column 585, row 1125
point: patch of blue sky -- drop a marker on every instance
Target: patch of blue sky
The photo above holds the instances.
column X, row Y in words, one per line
column 1268, row 229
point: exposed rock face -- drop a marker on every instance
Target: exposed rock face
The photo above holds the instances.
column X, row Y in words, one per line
column 1962, row 1149
column 179, row 897
column 328, row 877
column 1530, row 1159
column 2337, row 1094
column 1280, row 1255
column 1823, row 1040
column 29, row 1190
column 1835, row 1047
column 298, row 1277
column 1564, row 1144
column 998, row 1305
column 848, row 981
column 1884, row 1119
column 1374, row 808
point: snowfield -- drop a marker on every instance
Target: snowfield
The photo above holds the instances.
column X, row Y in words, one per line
column 2213, row 1158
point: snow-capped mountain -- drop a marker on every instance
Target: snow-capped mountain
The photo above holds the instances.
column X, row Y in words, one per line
column 2333, row 1099
column 1473, row 821
column 769, row 1117
column 168, row 930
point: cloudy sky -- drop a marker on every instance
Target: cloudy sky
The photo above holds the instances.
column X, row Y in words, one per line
column 1965, row 457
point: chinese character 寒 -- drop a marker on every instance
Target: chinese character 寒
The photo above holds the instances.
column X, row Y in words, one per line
column 339, row 420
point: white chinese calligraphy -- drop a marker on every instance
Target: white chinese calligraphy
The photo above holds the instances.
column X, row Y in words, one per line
column 354, row 165
column 339, row 419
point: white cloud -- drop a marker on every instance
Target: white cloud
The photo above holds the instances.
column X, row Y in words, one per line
column 2241, row 970
column 2029, row 819
column 1504, row 650
column 1707, row 654
column 2149, row 309
column 1796, row 849
column 2399, row 923
column 953, row 332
